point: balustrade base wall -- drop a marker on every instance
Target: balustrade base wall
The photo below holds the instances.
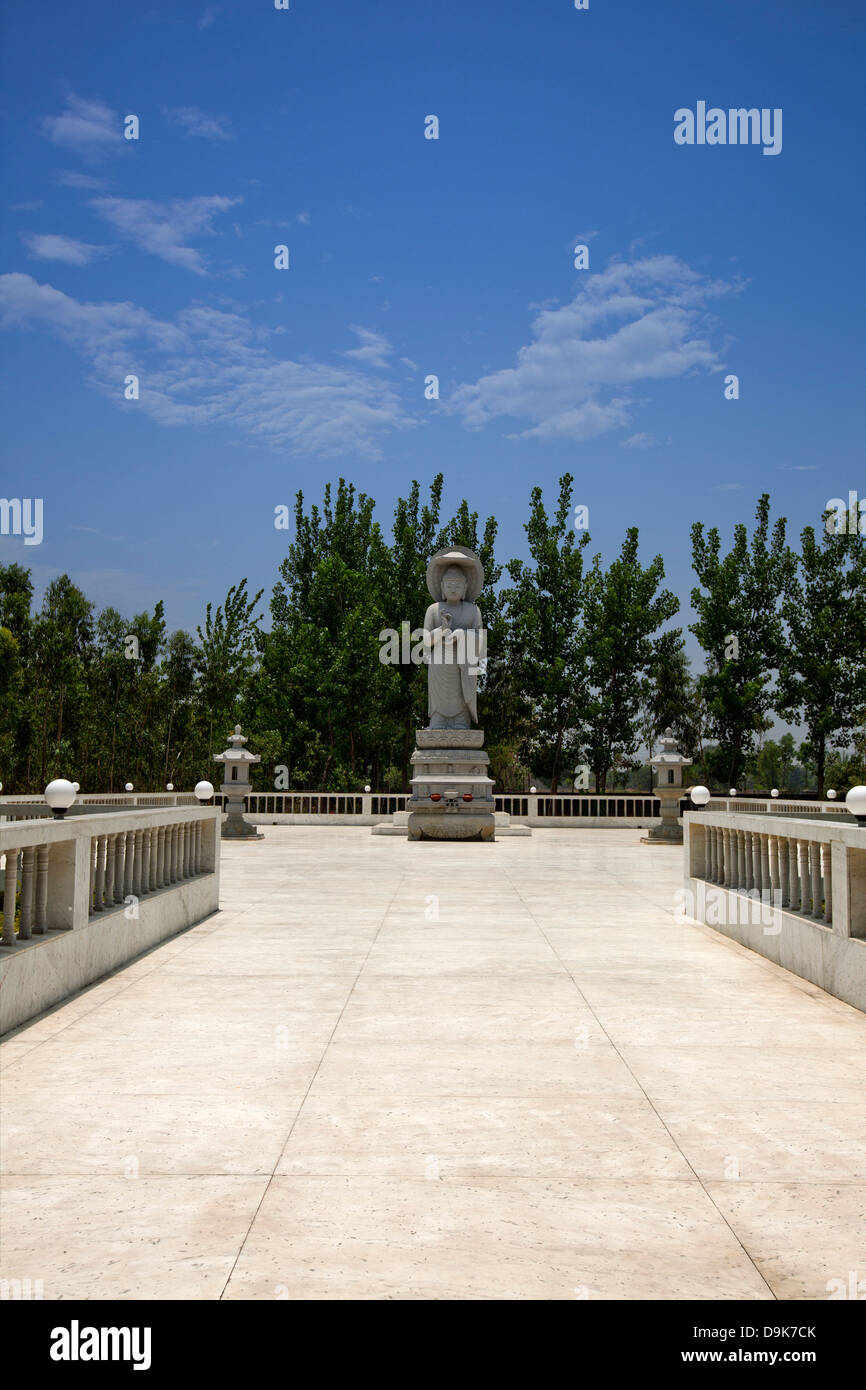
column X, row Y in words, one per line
column 762, row 913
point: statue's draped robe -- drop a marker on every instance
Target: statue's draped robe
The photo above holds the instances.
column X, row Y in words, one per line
column 451, row 685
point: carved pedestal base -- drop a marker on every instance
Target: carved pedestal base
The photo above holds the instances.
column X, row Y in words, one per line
column 452, row 796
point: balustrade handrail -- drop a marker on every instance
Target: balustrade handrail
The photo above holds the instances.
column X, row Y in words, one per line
column 60, row 873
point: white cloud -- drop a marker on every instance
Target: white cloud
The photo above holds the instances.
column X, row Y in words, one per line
column 632, row 322
column 208, row 367
column 89, row 128
column 209, row 16
column 198, row 123
column 374, row 350
column 163, row 229
column 86, row 181
column 303, row 217
column 640, row 440
column 51, row 247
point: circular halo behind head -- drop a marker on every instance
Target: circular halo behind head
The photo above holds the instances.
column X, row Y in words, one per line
column 463, row 558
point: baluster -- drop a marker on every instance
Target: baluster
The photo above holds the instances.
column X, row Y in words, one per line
column 817, row 906
column 828, row 884
column 711, row 868
column 129, row 865
column 40, row 926
column 10, row 888
column 25, row 915
column 198, row 846
column 94, row 855
column 793, row 875
column 770, row 861
column 805, row 879
column 145, row 861
column 137, row 851
column 119, row 865
column 99, row 876
column 110, row 867
column 154, row 844
column 756, row 862
column 766, row 882
column 160, row 857
column 782, row 845
column 187, row 849
column 175, row 846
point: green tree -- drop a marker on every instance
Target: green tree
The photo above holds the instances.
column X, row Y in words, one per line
column 739, row 627
column 546, row 648
column 623, row 610
column 822, row 675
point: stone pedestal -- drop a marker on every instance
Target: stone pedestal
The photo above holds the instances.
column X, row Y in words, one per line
column 452, row 795
column 670, row 832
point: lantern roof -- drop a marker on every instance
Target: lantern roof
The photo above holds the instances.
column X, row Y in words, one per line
column 237, row 753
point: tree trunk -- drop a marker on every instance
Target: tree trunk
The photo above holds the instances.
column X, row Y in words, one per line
column 820, row 763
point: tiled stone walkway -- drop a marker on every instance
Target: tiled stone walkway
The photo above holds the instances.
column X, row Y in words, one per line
column 393, row 1070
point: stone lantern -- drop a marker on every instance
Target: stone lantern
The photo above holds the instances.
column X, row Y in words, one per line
column 236, row 787
column 668, row 766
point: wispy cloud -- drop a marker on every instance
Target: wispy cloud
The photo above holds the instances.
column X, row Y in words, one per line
column 199, row 123
column 632, row 322
column 51, row 247
column 303, row 217
column 374, row 350
column 71, row 179
column 90, row 128
column 213, row 367
column 165, row 229
column 640, row 440
column 209, row 16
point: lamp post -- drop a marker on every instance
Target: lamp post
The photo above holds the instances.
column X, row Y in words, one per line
column 128, row 787
column 856, row 803
column 204, row 791
column 60, row 795
column 699, row 797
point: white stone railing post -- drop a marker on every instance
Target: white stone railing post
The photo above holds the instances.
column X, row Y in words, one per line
column 42, row 853
column 137, row 849
column 28, row 883
column 10, row 890
column 129, row 864
column 817, row 907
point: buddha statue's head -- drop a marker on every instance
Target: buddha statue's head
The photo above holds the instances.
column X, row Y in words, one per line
column 453, row 585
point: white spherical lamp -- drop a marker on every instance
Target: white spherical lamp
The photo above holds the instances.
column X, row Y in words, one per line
column 169, row 786
column 856, row 803
column 60, row 795
column 831, row 795
column 775, row 791
column 699, row 797
column 367, row 788
column 533, row 790
column 732, row 791
column 204, row 791
column 128, row 787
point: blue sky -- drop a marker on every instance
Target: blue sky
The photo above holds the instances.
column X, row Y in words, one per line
column 411, row 256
